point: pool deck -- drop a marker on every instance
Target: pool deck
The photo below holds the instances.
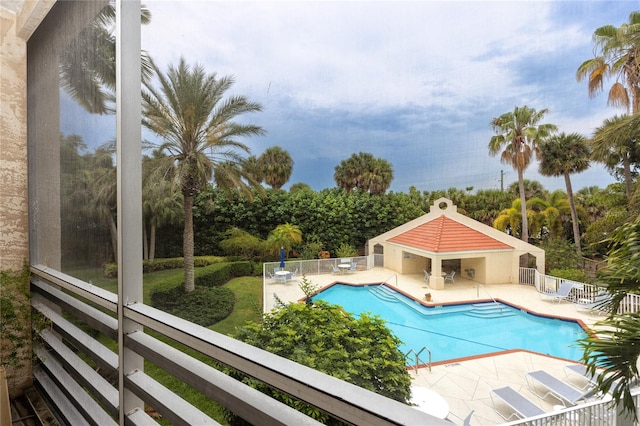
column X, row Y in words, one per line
column 464, row 384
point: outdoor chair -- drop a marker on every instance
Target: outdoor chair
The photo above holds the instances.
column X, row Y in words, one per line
column 562, row 293
column 580, row 370
column 353, row 267
column 427, row 275
column 449, row 277
column 293, row 274
column 555, row 387
column 596, row 306
column 520, row 406
column 335, row 269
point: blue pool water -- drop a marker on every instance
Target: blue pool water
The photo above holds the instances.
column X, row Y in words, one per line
column 458, row 331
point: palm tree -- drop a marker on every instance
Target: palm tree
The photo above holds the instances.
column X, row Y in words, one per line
column 88, row 64
column 200, row 138
column 365, row 173
column 517, row 136
column 276, row 166
column 285, row 235
column 615, row 142
column 617, row 55
column 562, row 155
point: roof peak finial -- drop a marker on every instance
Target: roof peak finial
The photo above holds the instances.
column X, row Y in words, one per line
column 443, row 204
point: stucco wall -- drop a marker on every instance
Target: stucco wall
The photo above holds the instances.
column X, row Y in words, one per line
column 13, row 145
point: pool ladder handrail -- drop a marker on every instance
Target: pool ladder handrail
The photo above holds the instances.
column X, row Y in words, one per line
column 417, row 355
column 392, row 276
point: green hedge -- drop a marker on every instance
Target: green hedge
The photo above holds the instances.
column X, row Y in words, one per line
column 208, row 303
column 111, row 269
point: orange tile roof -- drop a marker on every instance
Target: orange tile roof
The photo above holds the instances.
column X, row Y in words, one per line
column 446, row 235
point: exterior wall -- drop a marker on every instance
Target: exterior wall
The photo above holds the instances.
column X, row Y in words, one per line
column 14, row 223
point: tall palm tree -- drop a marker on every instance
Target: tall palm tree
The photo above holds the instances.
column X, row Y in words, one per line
column 517, row 136
column 617, row 55
column 562, row 155
column 276, row 166
column 189, row 112
column 88, row 63
column 614, row 142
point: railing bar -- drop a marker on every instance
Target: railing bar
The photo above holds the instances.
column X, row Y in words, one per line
column 100, row 387
column 340, row 399
column 175, row 409
column 250, row 404
column 85, row 404
column 57, row 399
column 94, row 294
column 90, row 315
column 99, row 353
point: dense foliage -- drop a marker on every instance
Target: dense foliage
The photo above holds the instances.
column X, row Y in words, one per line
column 362, row 351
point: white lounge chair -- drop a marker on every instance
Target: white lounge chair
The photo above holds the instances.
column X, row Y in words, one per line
column 597, row 305
column 562, row 293
column 520, row 406
column 556, row 388
column 449, row 277
column 580, row 370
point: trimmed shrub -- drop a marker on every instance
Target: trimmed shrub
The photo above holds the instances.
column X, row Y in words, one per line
column 208, row 303
column 204, row 305
column 111, row 269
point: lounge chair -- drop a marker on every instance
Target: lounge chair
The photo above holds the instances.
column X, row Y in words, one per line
column 520, row 406
column 556, row 388
column 580, row 370
column 449, row 277
column 562, row 293
column 595, row 306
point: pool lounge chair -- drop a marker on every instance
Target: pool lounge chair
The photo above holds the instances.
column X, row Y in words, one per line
column 520, row 406
column 562, row 293
column 556, row 388
column 596, row 306
column 580, row 370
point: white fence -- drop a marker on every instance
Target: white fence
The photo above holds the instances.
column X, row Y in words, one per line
column 548, row 283
column 320, row 266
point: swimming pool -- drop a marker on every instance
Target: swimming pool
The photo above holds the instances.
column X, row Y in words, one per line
column 462, row 330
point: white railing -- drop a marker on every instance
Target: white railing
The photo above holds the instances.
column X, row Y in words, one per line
column 318, row 266
column 593, row 413
column 73, row 365
column 548, row 283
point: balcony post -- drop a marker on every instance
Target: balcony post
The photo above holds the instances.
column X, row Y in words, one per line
column 129, row 175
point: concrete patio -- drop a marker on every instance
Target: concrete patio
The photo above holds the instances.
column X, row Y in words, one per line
column 465, row 385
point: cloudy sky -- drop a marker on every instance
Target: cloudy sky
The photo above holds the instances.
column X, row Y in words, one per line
column 416, row 83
